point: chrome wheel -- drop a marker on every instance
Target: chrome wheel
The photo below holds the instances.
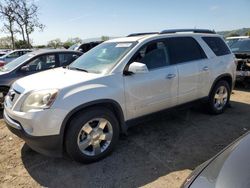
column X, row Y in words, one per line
column 95, row 136
column 220, row 97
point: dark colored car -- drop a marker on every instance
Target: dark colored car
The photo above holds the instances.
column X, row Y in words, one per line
column 228, row 169
column 31, row 63
column 241, row 49
column 85, row 46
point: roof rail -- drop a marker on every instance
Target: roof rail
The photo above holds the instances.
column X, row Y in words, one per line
column 139, row 34
column 188, row 30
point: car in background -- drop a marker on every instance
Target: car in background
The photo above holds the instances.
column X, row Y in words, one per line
column 84, row 47
column 232, row 40
column 228, row 169
column 2, row 53
column 241, row 49
column 8, row 57
column 31, row 63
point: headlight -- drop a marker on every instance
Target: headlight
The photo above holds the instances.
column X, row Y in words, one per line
column 39, row 100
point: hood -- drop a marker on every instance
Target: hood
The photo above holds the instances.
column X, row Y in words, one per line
column 229, row 169
column 58, row 78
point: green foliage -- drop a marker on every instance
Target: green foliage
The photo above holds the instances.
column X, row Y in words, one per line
column 5, row 43
column 247, row 33
column 56, row 43
column 20, row 44
column 104, row 38
column 233, row 35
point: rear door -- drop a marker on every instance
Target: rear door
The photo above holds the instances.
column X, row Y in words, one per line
column 188, row 56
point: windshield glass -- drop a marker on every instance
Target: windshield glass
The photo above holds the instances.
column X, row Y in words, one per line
column 241, row 46
column 13, row 64
column 103, row 57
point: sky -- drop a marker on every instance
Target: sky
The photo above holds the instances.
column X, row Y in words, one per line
column 94, row 18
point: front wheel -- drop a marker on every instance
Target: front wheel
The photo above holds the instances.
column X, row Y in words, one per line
column 219, row 97
column 92, row 135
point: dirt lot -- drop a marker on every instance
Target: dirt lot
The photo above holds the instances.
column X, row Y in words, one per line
column 157, row 153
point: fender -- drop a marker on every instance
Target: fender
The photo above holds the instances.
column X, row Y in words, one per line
column 221, row 77
column 114, row 104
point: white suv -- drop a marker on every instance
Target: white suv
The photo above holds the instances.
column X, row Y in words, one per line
column 81, row 109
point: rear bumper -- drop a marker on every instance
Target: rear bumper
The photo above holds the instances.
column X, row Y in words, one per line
column 48, row 145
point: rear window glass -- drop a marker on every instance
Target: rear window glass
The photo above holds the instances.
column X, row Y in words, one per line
column 217, row 45
column 184, row 49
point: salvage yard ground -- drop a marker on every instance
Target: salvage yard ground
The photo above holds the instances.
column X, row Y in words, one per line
column 161, row 152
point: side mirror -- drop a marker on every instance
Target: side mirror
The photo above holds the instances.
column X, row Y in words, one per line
column 137, row 67
column 25, row 68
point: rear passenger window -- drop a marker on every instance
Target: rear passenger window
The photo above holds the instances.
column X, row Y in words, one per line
column 154, row 55
column 184, row 49
column 217, row 45
column 66, row 59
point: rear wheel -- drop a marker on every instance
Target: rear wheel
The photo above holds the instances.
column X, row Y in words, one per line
column 92, row 135
column 3, row 93
column 219, row 97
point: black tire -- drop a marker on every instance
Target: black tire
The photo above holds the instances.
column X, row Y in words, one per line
column 211, row 102
column 3, row 91
column 75, row 126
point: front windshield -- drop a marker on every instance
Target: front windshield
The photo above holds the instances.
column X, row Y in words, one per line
column 103, row 57
column 230, row 42
column 13, row 64
column 241, row 46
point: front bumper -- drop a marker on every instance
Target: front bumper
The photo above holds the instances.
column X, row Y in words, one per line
column 47, row 145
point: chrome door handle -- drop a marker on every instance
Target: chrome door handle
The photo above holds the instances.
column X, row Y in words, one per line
column 205, row 68
column 170, row 76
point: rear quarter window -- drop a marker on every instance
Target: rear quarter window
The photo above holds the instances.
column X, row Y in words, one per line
column 217, row 45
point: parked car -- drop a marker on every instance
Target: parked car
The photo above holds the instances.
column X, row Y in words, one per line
column 227, row 169
column 10, row 56
column 241, row 49
column 2, row 53
column 32, row 63
column 232, row 40
column 85, row 46
column 81, row 109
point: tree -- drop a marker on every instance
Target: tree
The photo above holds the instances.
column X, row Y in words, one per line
column 7, row 14
column 233, row 35
column 104, row 38
column 56, row 43
column 5, row 42
column 72, row 41
column 20, row 44
column 247, row 33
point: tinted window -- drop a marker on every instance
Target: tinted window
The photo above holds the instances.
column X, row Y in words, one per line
column 66, row 59
column 217, row 45
column 42, row 63
column 241, row 46
column 184, row 49
column 154, row 55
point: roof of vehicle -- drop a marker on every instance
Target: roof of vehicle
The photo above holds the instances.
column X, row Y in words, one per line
column 44, row 51
column 238, row 37
column 173, row 32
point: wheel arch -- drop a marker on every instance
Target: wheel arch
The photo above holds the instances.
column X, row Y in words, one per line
column 227, row 77
column 107, row 103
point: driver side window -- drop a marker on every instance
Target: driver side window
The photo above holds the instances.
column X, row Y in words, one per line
column 40, row 63
column 154, row 55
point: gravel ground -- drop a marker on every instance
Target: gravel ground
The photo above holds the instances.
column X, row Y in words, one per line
column 160, row 152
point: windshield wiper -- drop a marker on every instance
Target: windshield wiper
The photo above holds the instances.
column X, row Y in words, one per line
column 75, row 68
